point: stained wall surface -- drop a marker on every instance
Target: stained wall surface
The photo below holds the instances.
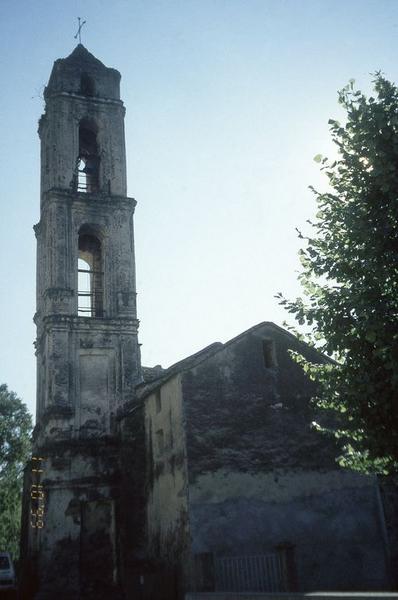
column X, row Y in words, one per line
column 167, row 502
column 260, row 478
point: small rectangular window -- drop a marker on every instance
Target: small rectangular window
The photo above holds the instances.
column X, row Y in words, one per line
column 269, row 354
column 158, row 401
column 160, row 440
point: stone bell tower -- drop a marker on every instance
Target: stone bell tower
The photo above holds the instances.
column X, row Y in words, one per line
column 88, row 360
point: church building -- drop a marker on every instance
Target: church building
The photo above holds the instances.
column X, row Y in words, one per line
column 149, row 483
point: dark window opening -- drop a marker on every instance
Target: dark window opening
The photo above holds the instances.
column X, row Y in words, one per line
column 87, row 87
column 90, row 277
column 88, row 161
column 269, row 354
column 158, row 401
column 160, row 440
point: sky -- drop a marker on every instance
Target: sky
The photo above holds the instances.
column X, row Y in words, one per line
column 227, row 104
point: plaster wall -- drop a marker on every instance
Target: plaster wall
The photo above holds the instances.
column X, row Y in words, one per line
column 167, row 506
column 86, row 374
column 329, row 518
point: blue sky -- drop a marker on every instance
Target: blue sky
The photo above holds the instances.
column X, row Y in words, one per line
column 227, row 104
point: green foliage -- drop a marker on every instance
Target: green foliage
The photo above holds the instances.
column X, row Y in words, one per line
column 15, row 447
column 350, row 280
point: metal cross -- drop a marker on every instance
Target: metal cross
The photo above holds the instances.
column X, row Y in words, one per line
column 79, row 30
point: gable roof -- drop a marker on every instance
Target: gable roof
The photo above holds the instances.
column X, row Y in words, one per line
column 144, row 389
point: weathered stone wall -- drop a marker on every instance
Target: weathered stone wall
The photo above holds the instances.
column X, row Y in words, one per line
column 111, row 220
column 243, row 415
column 86, row 375
column 261, row 478
column 81, row 490
column 66, row 75
column 60, row 142
column 66, row 107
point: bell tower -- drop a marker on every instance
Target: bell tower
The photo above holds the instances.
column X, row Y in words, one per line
column 88, row 354
column 88, row 360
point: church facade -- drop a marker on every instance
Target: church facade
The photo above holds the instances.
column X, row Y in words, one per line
column 148, row 483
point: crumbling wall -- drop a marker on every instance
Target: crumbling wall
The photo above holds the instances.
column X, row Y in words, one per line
column 81, row 489
column 260, row 478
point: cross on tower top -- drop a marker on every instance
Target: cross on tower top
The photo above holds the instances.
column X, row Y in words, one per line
column 78, row 33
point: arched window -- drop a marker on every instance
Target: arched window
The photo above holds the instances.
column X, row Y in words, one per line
column 90, row 276
column 87, row 87
column 88, row 159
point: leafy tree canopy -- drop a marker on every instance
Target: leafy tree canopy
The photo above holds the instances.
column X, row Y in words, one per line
column 15, row 446
column 350, row 280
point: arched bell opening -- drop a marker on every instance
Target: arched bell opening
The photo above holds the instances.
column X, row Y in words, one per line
column 88, row 160
column 90, row 276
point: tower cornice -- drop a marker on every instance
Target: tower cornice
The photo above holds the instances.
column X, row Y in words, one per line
column 88, row 100
column 101, row 199
column 85, row 325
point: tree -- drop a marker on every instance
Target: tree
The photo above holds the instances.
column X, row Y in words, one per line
column 350, row 280
column 15, row 446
